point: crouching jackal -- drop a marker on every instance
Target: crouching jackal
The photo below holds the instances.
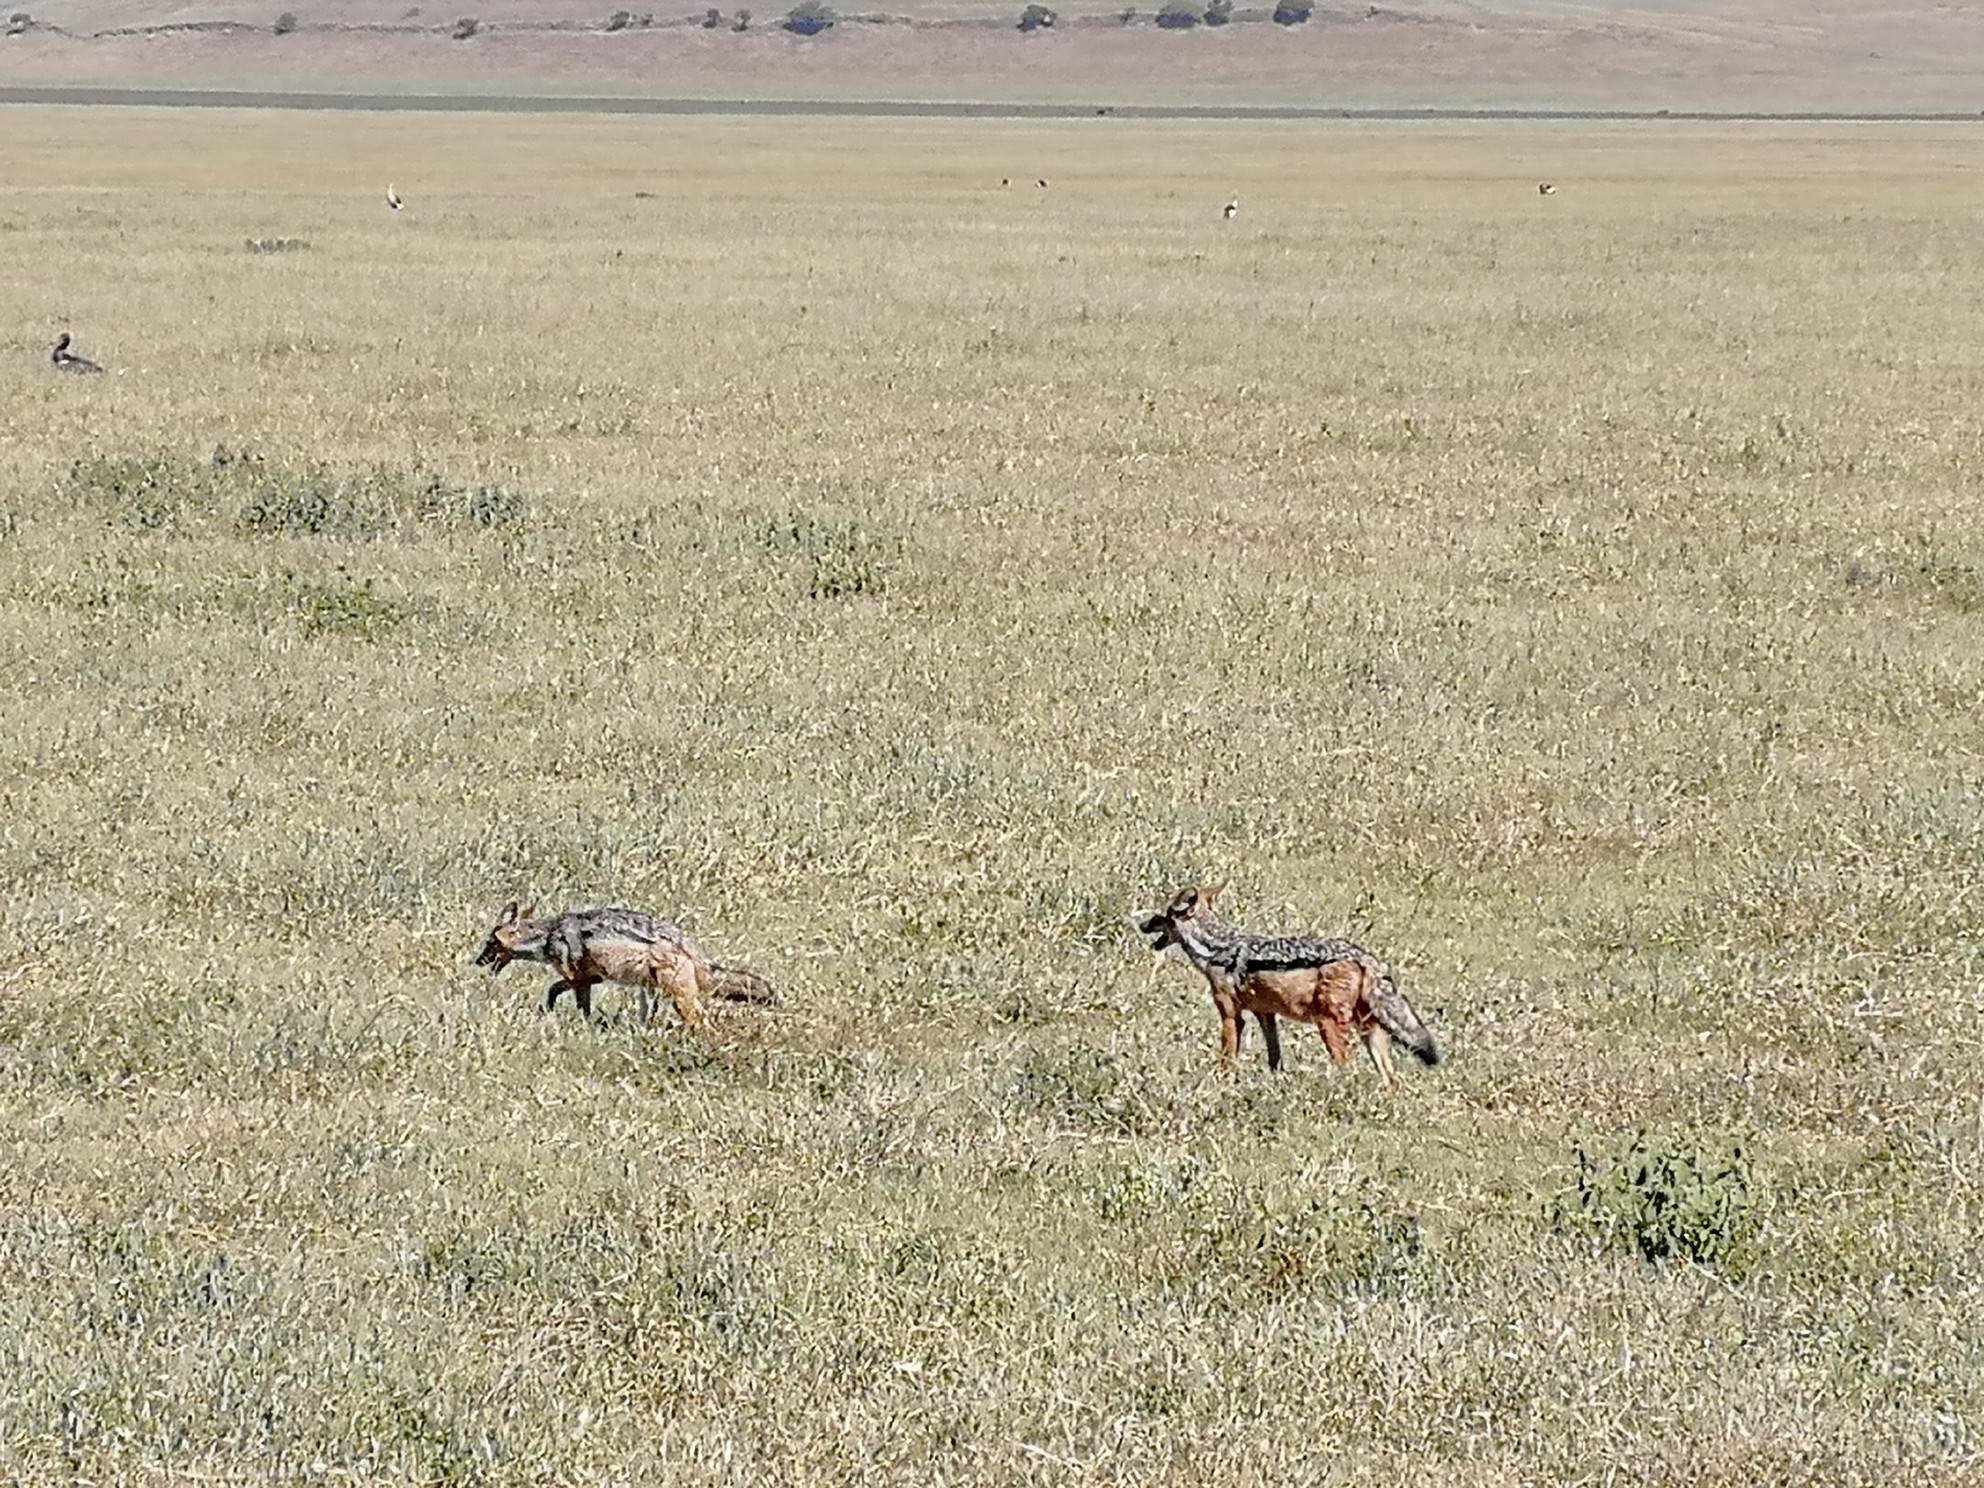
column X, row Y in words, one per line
column 589, row 946
column 1341, row 988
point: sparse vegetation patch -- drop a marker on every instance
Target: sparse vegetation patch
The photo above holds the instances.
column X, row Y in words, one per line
column 163, row 491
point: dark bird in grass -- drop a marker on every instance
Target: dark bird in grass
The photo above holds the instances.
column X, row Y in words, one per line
column 1546, row 188
column 1041, row 183
column 1232, row 209
column 393, row 198
column 65, row 360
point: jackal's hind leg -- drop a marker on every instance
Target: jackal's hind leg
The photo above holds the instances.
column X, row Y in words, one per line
column 678, row 980
column 1380, row 1044
column 1337, row 1037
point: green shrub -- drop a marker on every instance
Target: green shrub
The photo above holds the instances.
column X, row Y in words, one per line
column 808, row 18
column 314, row 503
column 1691, row 1198
column 338, row 604
column 446, row 504
column 843, row 558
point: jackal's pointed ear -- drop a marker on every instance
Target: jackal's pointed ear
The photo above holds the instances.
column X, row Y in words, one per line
column 509, row 914
column 1206, row 896
column 525, row 913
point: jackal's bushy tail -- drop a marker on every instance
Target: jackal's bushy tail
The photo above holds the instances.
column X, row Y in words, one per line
column 1396, row 1017
column 740, row 986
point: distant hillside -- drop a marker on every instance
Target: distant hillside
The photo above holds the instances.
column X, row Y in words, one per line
column 1752, row 54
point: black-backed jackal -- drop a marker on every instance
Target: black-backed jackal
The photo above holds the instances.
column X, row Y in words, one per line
column 589, row 946
column 1341, row 988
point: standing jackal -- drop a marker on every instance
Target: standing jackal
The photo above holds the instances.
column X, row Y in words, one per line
column 589, row 946
column 1341, row 988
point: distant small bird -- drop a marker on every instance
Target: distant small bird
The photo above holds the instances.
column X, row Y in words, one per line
column 393, row 198
column 1005, row 180
column 1546, row 188
column 1232, row 209
column 1041, row 183
column 65, row 360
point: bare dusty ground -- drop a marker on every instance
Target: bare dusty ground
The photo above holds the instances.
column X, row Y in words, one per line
column 1540, row 54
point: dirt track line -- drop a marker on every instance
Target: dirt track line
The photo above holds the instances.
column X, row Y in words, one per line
column 489, row 103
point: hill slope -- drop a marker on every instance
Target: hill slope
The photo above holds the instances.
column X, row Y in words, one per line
column 1763, row 55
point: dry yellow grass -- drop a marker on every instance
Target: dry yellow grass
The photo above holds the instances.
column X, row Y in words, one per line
column 902, row 580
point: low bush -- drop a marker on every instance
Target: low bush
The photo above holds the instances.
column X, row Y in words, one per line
column 808, row 18
column 1689, row 1198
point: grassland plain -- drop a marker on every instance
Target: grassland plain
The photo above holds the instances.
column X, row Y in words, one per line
column 901, row 580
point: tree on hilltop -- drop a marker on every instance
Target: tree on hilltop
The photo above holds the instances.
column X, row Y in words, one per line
column 808, row 18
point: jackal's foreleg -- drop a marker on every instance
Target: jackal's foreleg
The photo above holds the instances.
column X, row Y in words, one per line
column 579, row 987
column 1229, row 1026
column 1271, row 1036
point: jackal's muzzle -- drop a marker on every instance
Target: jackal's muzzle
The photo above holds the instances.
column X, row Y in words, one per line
column 494, row 954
